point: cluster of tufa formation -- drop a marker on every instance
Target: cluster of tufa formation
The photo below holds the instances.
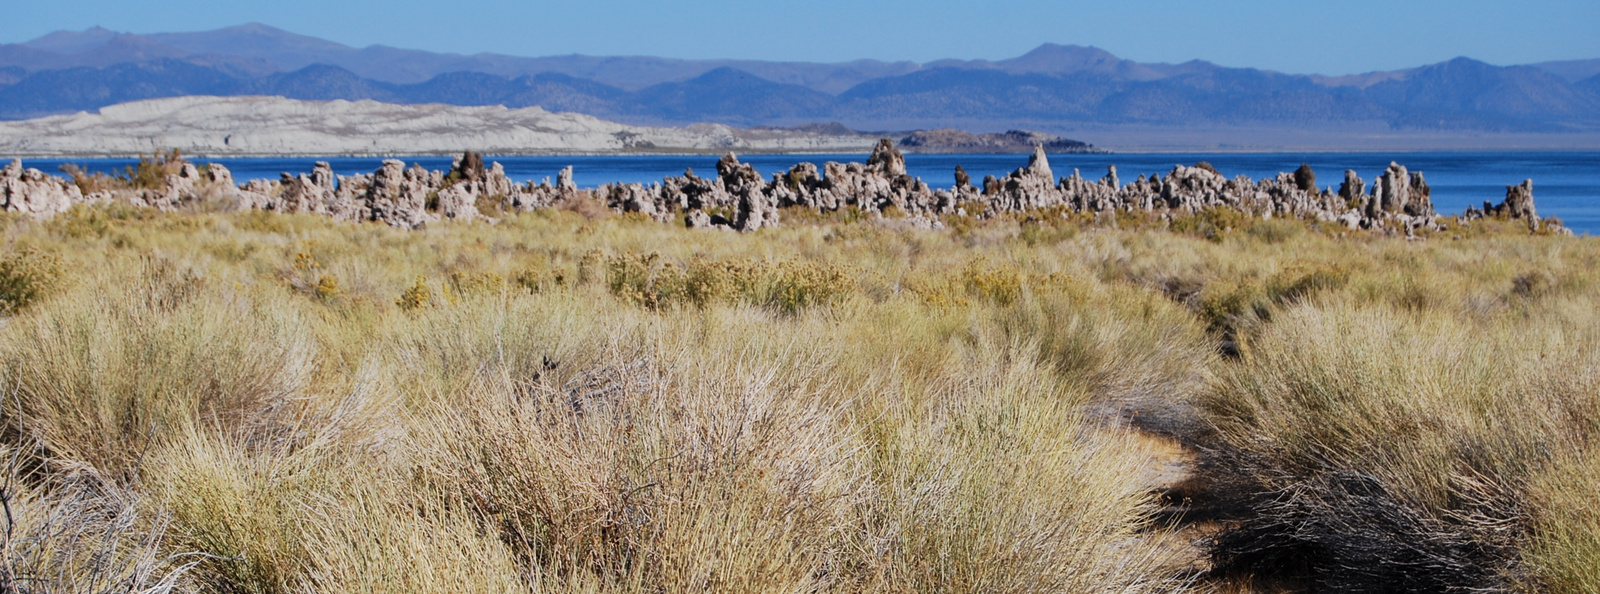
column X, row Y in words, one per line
column 739, row 198
column 32, row 192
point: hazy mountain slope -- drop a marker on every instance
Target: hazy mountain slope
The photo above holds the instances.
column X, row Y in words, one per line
column 555, row 92
column 731, row 96
column 1590, row 85
column 73, row 89
column 1234, row 96
column 1207, row 95
column 560, row 92
column 257, row 41
column 279, row 51
column 1057, row 59
column 1052, row 87
column 1471, row 94
column 1461, row 94
column 16, row 55
column 90, row 50
column 965, row 93
column 1571, row 70
column 72, row 42
column 100, row 48
column 322, row 82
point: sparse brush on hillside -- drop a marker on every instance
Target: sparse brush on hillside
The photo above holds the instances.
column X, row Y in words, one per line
column 149, row 173
column 568, row 402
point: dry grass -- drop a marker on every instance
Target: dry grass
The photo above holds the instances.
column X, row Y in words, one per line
column 565, row 401
column 1394, row 438
column 79, row 535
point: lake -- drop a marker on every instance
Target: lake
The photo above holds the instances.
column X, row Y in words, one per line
column 1566, row 184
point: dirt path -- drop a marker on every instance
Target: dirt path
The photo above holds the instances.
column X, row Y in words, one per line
column 1165, row 433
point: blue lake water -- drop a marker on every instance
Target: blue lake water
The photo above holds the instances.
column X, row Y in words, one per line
column 1566, row 184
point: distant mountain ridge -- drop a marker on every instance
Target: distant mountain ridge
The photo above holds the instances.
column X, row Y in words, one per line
column 260, row 49
column 1053, row 87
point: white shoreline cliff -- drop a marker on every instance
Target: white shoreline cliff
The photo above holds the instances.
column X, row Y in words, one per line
column 273, row 126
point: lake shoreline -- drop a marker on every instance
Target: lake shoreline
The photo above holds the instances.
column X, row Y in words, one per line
column 1567, row 182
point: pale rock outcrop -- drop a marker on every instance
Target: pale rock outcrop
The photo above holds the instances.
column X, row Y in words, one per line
column 738, row 188
column 1518, row 203
column 258, row 194
column 886, row 159
column 635, row 198
column 754, row 208
column 802, row 185
column 1039, row 164
column 1030, row 187
column 176, row 188
column 878, row 184
column 963, row 182
column 220, row 175
column 739, row 198
column 697, row 220
column 458, row 202
column 564, row 181
column 36, row 193
column 692, row 192
column 496, row 183
column 223, row 189
column 399, row 196
column 1354, row 191
column 1398, row 191
column 313, row 193
column 468, row 167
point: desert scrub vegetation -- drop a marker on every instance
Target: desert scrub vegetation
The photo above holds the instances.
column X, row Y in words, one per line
column 255, row 402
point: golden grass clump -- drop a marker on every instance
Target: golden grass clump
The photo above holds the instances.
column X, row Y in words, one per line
column 1398, row 445
column 568, row 401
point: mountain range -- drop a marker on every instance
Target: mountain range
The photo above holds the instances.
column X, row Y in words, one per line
column 1054, row 88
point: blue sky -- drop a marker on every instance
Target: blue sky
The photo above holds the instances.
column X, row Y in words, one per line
column 1324, row 37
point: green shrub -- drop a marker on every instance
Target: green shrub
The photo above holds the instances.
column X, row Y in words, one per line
column 1299, row 283
column 328, row 288
column 88, row 182
column 27, row 276
column 1212, row 223
column 541, row 278
column 644, row 280
column 1233, row 309
column 1274, row 231
column 86, row 221
column 151, row 172
column 1534, row 284
column 417, row 296
column 476, row 283
column 1305, row 178
column 1049, row 227
column 653, row 282
column 801, row 284
column 1000, row 284
column 708, row 282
